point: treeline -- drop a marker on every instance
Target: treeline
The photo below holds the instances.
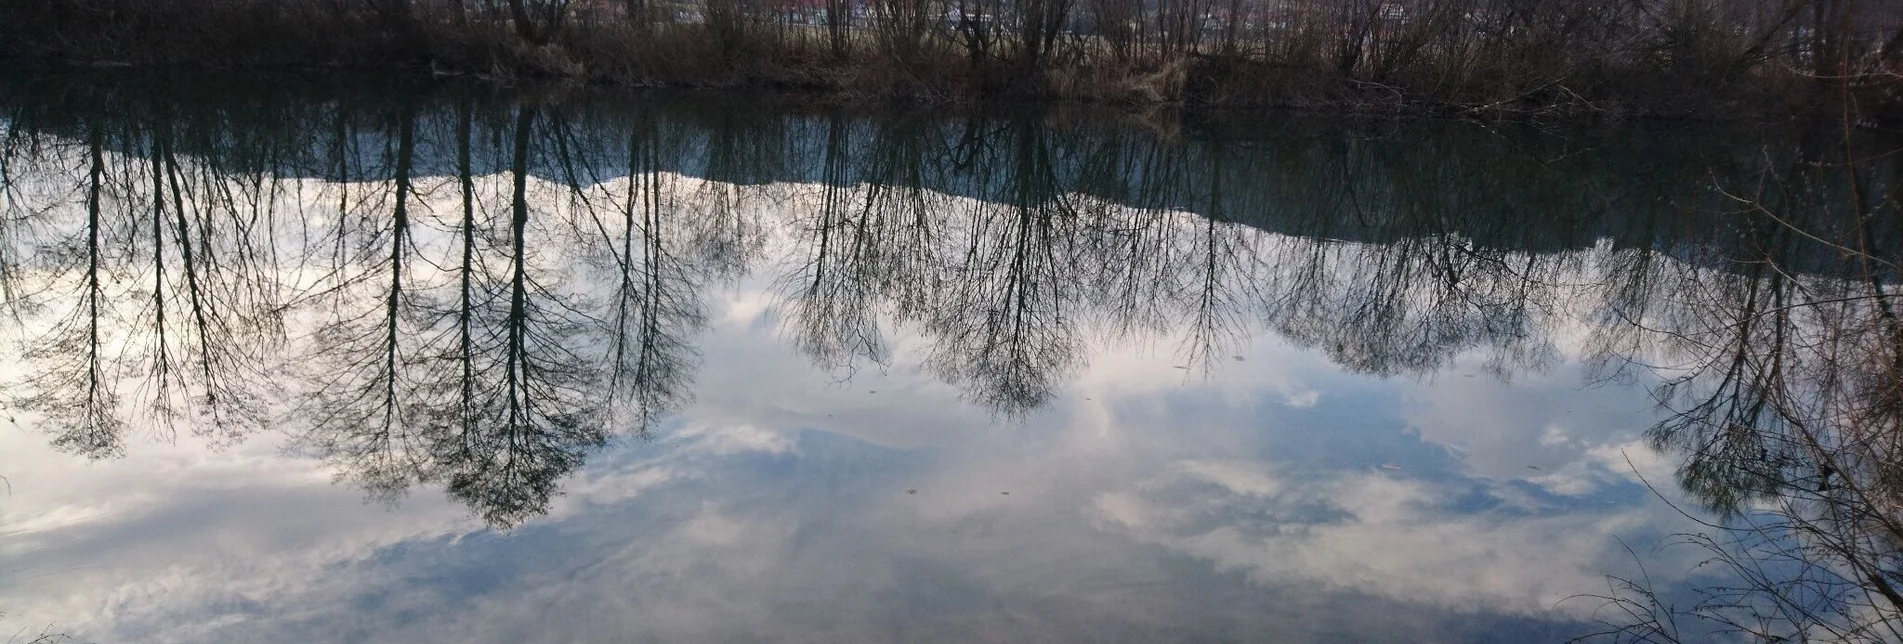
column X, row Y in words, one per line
column 1712, row 58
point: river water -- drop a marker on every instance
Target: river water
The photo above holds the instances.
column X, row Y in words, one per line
column 313, row 361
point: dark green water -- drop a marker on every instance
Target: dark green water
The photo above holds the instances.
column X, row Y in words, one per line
column 325, row 362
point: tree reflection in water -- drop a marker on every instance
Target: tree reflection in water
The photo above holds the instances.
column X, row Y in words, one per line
column 479, row 294
column 1785, row 393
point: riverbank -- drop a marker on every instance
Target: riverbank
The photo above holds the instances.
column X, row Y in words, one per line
column 1579, row 60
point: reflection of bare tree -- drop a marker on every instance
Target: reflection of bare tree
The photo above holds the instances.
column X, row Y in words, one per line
column 71, row 385
column 472, row 323
column 1412, row 302
column 835, row 295
column 204, row 360
column 725, row 234
column 1004, row 287
column 364, row 398
column 1223, row 265
column 189, row 326
column 1001, row 325
column 655, row 306
column 1409, row 306
column 449, row 348
column 15, row 204
column 901, row 218
column 1786, row 400
column 533, row 420
column 1132, row 255
column 472, row 367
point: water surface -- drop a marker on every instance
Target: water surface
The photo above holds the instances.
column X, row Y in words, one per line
column 323, row 363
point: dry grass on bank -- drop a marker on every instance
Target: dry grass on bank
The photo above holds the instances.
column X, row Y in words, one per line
column 1699, row 58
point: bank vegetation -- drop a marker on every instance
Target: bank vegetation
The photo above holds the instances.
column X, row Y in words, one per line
column 1696, row 58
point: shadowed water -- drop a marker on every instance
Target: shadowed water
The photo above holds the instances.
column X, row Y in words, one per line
column 679, row 367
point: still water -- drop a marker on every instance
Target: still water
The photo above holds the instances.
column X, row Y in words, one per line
column 310, row 362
